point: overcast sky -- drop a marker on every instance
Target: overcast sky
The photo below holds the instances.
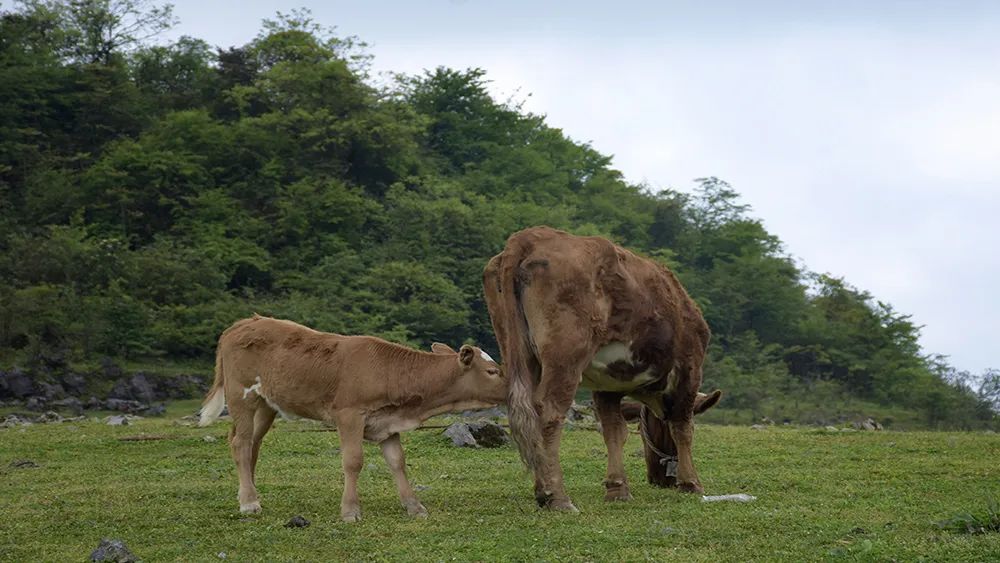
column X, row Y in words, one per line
column 865, row 134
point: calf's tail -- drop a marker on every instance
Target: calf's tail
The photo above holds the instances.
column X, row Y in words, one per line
column 215, row 399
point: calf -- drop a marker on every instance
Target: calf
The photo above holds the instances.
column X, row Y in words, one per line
column 371, row 389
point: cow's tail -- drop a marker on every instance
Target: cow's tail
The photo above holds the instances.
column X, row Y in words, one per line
column 215, row 399
column 521, row 363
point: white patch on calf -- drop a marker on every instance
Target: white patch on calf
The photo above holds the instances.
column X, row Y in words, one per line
column 255, row 388
column 486, row 356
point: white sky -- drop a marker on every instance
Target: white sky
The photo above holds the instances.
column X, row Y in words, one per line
column 866, row 134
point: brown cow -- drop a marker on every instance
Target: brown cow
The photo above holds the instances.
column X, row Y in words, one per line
column 371, row 389
column 571, row 311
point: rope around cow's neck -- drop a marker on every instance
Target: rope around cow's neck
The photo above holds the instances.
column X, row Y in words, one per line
column 670, row 461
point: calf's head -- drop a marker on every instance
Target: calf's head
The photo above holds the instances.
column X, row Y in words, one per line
column 481, row 377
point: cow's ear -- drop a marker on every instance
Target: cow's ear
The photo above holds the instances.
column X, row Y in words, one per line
column 704, row 402
column 466, row 354
column 439, row 348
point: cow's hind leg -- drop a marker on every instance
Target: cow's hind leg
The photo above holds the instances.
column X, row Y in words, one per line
column 608, row 406
column 392, row 451
column 262, row 421
column 351, row 427
column 556, row 390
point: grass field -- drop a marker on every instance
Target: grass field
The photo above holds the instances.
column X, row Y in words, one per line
column 821, row 496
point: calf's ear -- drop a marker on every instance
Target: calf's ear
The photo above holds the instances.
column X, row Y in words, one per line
column 439, row 348
column 466, row 354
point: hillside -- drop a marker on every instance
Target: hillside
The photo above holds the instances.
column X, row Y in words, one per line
column 151, row 195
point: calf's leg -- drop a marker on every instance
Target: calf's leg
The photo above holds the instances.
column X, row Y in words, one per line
column 262, row 420
column 351, row 427
column 615, row 431
column 241, row 445
column 392, row 451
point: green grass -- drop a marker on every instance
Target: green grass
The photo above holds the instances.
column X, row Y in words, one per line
column 821, row 496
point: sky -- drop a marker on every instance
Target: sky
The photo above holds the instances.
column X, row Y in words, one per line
column 866, row 135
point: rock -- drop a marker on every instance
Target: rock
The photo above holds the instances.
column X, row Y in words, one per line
column 74, row 383
column 137, row 388
column 832, row 429
column 483, row 434
column 579, row 413
column 51, row 391
column 759, row 427
column 209, row 439
column 16, row 384
column 37, row 403
column 23, row 464
column 127, row 406
column 15, row 420
column 868, row 424
column 297, row 522
column 156, row 410
column 495, row 412
column 71, row 404
column 121, row 419
column 49, row 417
column 112, row 550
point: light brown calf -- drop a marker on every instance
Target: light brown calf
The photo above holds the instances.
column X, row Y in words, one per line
column 371, row 389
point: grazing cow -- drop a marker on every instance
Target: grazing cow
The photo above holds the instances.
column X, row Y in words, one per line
column 371, row 389
column 569, row 311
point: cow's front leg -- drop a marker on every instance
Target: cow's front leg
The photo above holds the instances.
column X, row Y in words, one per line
column 556, row 392
column 615, row 431
column 392, row 451
column 351, row 428
column 682, row 432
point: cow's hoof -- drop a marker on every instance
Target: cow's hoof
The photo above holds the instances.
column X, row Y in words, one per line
column 351, row 516
column 562, row 505
column 618, row 494
column 416, row 510
column 690, row 487
column 250, row 508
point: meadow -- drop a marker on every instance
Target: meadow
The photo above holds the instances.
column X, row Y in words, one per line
column 168, row 489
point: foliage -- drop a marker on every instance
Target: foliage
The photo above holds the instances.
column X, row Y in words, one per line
column 151, row 194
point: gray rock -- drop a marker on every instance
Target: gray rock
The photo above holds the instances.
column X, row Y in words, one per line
column 37, row 403
column 483, row 434
column 869, row 425
column 495, row 412
column 49, row 417
column 832, row 429
column 16, row 384
column 117, row 420
column 155, row 410
column 112, row 550
column 759, row 427
column 297, row 522
column 579, row 413
column 71, row 404
column 127, row 406
column 15, row 420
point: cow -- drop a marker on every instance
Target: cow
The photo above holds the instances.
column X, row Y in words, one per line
column 370, row 388
column 570, row 310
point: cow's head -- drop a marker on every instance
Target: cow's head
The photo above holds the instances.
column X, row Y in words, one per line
column 481, row 379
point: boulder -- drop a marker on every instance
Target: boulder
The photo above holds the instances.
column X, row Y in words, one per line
column 112, row 550
column 483, row 434
column 15, row 384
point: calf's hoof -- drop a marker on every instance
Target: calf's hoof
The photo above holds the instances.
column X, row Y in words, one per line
column 351, row 516
column 415, row 509
column 690, row 487
column 250, row 508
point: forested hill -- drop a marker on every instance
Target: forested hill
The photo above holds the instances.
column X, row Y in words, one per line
column 151, row 195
